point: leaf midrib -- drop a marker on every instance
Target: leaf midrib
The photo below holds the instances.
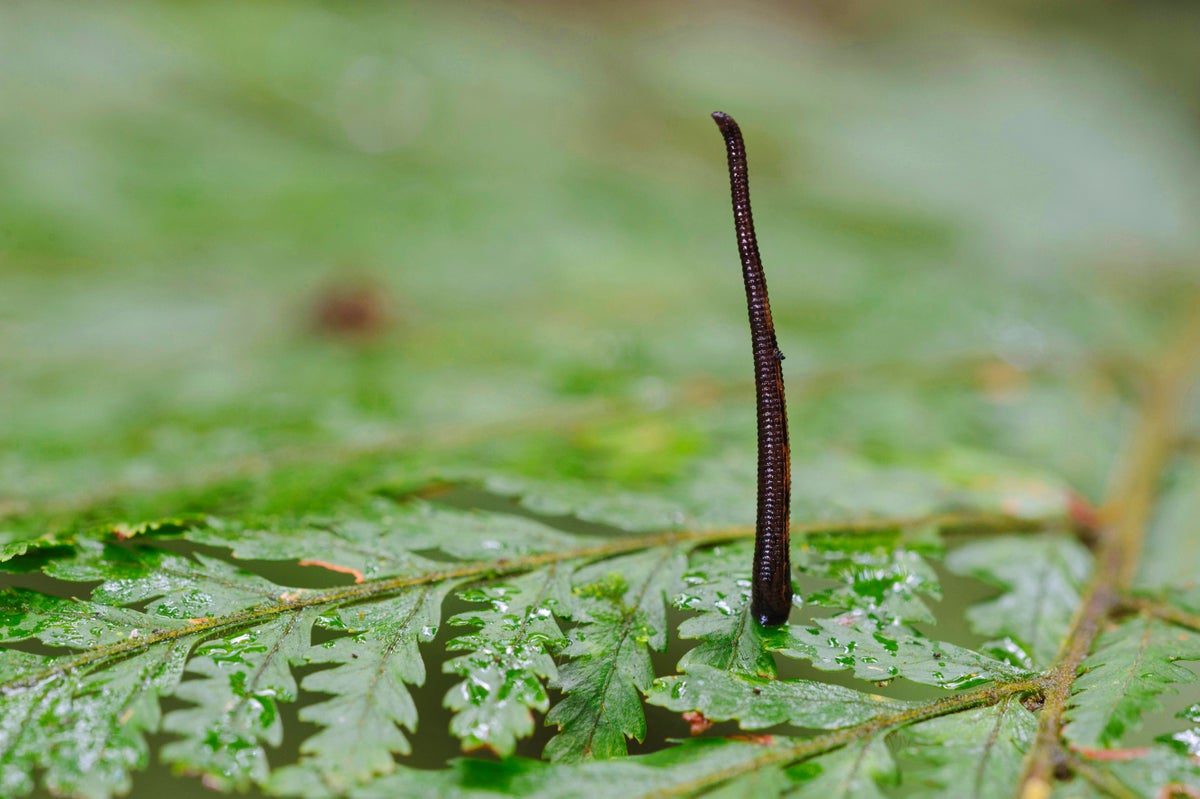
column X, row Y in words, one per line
column 384, row 657
column 626, row 623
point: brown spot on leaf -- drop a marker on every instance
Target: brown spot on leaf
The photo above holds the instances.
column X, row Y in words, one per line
column 334, row 567
column 356, row 309
column 697, row 722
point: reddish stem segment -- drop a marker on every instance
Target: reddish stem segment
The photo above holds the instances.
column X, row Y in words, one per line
column 771, row 599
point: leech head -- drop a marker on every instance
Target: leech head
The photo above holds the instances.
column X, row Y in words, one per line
column 771, row 592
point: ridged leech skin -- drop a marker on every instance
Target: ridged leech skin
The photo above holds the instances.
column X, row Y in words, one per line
column 771, row 596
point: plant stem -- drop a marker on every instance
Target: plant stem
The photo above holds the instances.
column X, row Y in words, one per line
column 1119, row 547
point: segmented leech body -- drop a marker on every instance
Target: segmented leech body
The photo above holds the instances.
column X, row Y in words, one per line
column 771, row 597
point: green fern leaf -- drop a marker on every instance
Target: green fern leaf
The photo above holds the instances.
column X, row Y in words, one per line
column 881, row 654
column 620, row 606
column 977, row 753
column 511, row 656
column 877, row 579
column 756, row 703
column 85, row 733
column 1041, row 579
column 1130, row 668
column 375, row 663
column 718, row 591
column 245, row 676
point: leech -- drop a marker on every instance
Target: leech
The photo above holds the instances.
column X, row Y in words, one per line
column 771, row 594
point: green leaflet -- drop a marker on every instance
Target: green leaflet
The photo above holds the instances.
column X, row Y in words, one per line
column 72, row 623
column 976, row 753
column 86, row 730
column 756, row 703
column 178, row 588
column 23, row 703
column 620, row 608
column 374, row 665
column 1129, row 668
column 366, row 548
column 881, row 581
column 880, row 654
column 14, row 544
column 510, row 657
column 244, row 677
column 80, row 721
column 717, row 588
column 1041, row 579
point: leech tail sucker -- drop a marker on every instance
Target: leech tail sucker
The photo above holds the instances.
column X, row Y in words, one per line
column 771, row 595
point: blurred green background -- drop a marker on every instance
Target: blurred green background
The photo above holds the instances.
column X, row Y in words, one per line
column 239, row 237
column 521, row 206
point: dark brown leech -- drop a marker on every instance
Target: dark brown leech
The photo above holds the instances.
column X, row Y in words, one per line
column 771, row 597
